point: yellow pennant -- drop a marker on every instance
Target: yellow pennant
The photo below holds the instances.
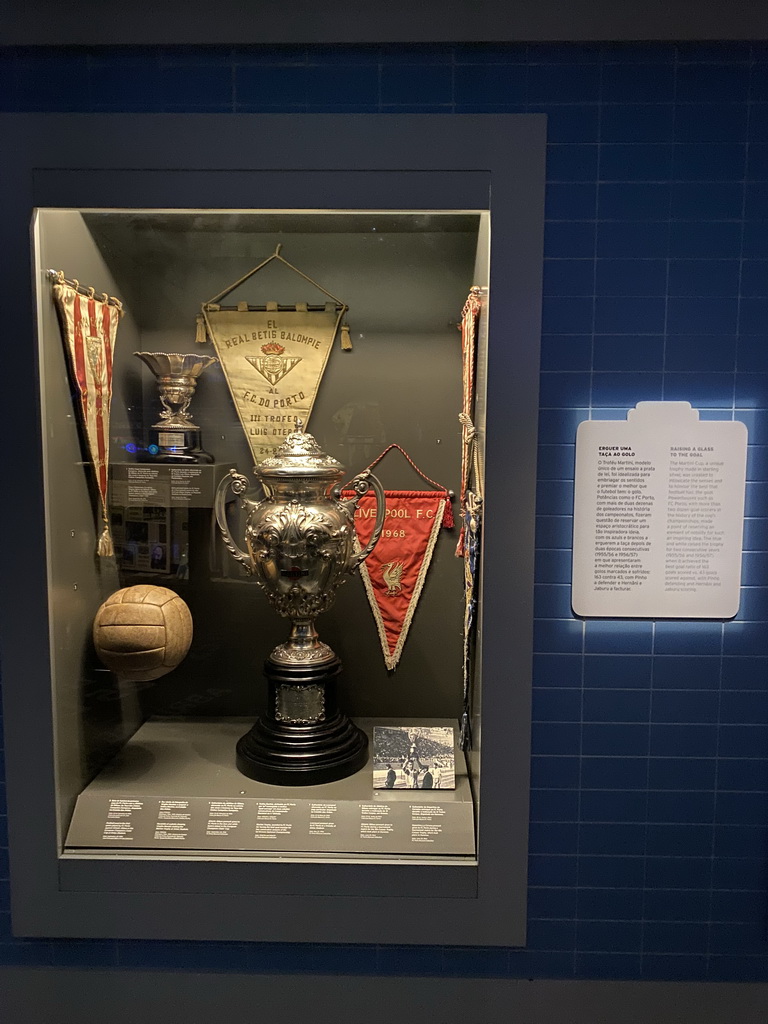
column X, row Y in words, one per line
column 273, row 360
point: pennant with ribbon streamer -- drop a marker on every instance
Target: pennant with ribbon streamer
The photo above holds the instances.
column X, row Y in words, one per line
column 89, row 327
column 470, row 315
column 470, row 497
column 273, row 357
column 395, row 571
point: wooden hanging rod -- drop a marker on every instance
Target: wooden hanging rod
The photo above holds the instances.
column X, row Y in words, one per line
column 57, row 277
column 211, row 307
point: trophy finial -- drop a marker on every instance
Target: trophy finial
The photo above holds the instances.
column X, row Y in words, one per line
column 299, row 425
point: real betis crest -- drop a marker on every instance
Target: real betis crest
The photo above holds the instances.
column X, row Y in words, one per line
column 273, row 357
column 273, row 365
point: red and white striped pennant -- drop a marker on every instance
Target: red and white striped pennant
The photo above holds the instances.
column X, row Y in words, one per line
column 89, row 326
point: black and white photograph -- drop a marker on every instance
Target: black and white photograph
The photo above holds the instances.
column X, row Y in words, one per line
column 413, row 757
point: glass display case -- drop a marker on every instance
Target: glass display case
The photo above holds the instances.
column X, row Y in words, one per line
column 277, row 422
column 147, row 761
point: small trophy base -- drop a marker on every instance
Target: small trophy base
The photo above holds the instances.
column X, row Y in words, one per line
column 178, row 445
column 303, row 740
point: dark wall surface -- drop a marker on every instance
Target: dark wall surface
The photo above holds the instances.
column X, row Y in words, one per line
column 339, row 21
column 649, row 808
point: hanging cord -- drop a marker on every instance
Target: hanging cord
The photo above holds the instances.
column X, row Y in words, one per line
column 448, row 510
column 346, row 341
column 275, row 256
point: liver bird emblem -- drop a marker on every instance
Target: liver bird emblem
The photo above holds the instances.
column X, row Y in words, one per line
column 392, row 574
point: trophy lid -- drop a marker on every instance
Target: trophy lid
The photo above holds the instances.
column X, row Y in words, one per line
column 300, row 455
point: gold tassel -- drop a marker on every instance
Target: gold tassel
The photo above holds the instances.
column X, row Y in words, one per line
column 201, row 333
column 346, row 340
column 106, row 548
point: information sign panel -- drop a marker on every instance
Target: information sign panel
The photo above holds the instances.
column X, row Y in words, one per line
column 658, row 515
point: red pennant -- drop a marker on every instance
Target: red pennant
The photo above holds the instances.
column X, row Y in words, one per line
column 395, row 571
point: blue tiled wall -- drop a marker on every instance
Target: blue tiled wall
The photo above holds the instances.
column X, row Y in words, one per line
column 649, row 808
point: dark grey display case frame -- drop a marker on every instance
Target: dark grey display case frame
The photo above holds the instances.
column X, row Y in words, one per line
column 289, row 162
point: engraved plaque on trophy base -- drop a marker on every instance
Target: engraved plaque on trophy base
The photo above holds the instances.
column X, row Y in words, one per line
column 176, row 445
column 303, row 740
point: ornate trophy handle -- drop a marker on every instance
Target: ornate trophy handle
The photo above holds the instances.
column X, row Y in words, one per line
column 362, row 483
column 239, row 485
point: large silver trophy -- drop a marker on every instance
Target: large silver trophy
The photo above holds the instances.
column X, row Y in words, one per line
column 300, row 542
column 175, row 438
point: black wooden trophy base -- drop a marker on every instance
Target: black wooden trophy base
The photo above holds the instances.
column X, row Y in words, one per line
column 283, row 748
column 176, row 445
